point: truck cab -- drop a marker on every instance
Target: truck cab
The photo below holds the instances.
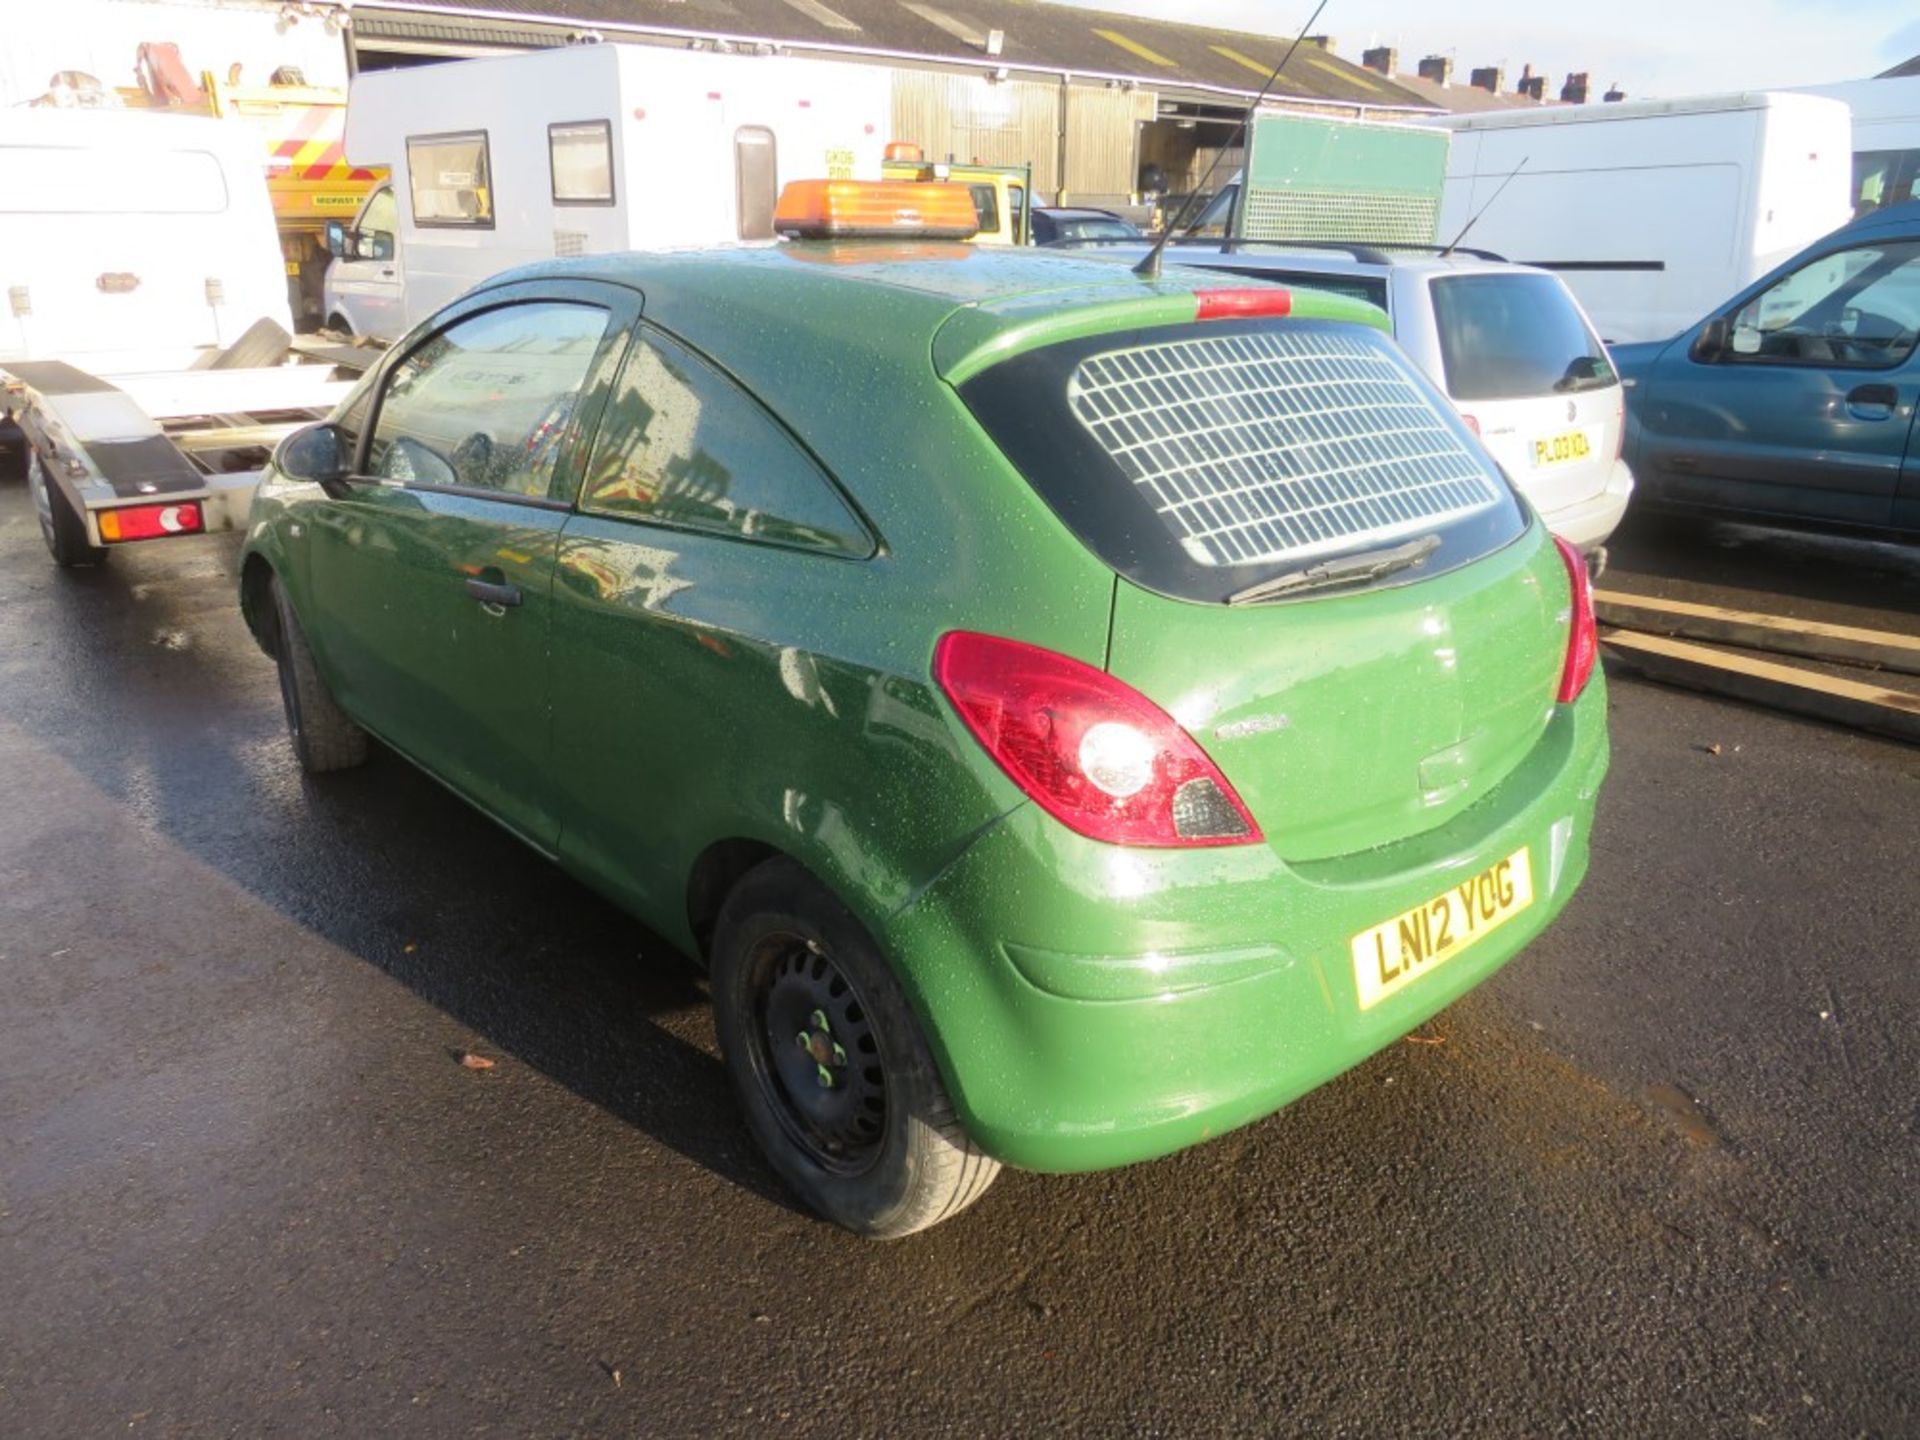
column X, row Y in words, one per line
column 1002, row 194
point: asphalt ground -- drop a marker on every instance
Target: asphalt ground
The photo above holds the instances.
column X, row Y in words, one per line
column 1657, row 1178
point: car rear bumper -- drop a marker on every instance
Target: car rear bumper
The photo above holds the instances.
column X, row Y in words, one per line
column 1093, row 1006
column 1587, row 523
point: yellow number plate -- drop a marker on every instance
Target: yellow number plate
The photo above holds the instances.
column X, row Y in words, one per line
column 1560, row 449
column 1391, row 956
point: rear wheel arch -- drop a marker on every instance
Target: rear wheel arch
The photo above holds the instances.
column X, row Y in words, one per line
column 720, row 867
column 256, row 604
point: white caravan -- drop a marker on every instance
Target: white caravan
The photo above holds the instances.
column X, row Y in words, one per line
column 581, row 151
column 131, row 240
column 1652, row 211
column 1886, row 138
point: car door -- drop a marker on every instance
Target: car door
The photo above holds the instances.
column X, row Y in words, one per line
column 1797, row 400
column 432, row 572
column 706, row 538
column 365, row 286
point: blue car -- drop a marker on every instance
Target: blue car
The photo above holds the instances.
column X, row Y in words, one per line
column 1793, row 402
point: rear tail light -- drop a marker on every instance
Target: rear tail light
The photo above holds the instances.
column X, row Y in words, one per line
column 1242, row 304
column 150, row 522
column 1583, row 636
column 1095, row 754
column 1472, row 423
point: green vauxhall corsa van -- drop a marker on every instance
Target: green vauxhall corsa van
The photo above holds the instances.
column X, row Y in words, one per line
column 1071, row 715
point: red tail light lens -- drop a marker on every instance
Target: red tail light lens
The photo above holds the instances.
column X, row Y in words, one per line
column 1472, row 422
column 1092, row 752
column 1583, row 635
column 1241, row 304
column 150, row 522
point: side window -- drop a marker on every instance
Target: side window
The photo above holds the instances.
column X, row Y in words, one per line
column 580, row 157
column 452, row 179
column 486, row 403
column 986, row 206
column 755, row 180
column 1857, row 308
column 382, row 213
column 1017, row 203
column 682, row 445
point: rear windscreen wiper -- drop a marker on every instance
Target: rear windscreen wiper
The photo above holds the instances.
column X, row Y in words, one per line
column 1348, row 570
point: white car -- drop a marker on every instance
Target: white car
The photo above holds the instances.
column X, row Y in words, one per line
column 1508, row 344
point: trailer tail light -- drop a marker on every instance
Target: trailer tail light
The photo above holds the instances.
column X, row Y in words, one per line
column 150, row 522
column 1242, row 304
column 1583, row 635
column 1094, row 753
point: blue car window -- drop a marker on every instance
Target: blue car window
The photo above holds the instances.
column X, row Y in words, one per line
column 1857, row 308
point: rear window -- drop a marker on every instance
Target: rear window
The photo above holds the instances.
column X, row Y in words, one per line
column 1515, row 337
column 1199, row 460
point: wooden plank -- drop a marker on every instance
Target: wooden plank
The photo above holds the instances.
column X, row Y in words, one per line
column 233, row 437
column 1817, row 640
column 1762, row 682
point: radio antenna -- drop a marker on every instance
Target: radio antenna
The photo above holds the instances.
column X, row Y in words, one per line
column 1474, row 219
column 1149, row 266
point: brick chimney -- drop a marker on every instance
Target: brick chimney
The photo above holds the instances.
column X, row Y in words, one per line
column 1533, row 86
column 1438, row 69
column 1574, row 92
column 1382, row 60
column 1615, row 95
column 1488, row 78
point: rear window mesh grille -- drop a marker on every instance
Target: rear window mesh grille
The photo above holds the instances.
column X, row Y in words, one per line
column 1277, row 445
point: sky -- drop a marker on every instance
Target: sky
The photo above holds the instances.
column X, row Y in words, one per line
column 1652, row 48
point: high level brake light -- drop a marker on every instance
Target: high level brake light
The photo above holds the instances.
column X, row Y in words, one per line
column 1583, row 634
column 1092, row 752
column 1243, row 303
column 150, row 522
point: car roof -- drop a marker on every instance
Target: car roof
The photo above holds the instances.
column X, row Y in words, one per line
column 718, row 298
column 1902, row 217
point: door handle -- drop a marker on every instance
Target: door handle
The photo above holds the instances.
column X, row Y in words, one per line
column 488, row 593
column 1874, row 397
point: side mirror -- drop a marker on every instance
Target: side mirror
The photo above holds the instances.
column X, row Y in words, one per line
column 336, row 239
column 317, row 455
column 374, row 245
column 1713, row 340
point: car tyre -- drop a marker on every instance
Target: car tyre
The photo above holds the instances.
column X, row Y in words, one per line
column 324, row 738
column 61, row 526
column 832, row 1068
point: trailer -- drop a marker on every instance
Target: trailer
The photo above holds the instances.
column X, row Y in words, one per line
column 152, row 456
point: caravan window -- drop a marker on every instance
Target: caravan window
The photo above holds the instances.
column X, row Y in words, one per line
column 580, row 156
column 755, row 180
column 452, row 180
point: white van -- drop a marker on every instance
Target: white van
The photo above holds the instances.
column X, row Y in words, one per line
column 1652, row 211
column 1886, row 138
column 131, row 240
column 581, row 151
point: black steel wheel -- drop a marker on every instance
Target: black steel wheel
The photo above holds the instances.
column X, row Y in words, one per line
column 835, row 1075
column 815, row 1055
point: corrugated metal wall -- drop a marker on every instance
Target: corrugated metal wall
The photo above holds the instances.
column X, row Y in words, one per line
column 1017, row 122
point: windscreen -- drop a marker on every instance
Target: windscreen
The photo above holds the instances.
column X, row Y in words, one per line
column 1515, row 337
column 1202, row 459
